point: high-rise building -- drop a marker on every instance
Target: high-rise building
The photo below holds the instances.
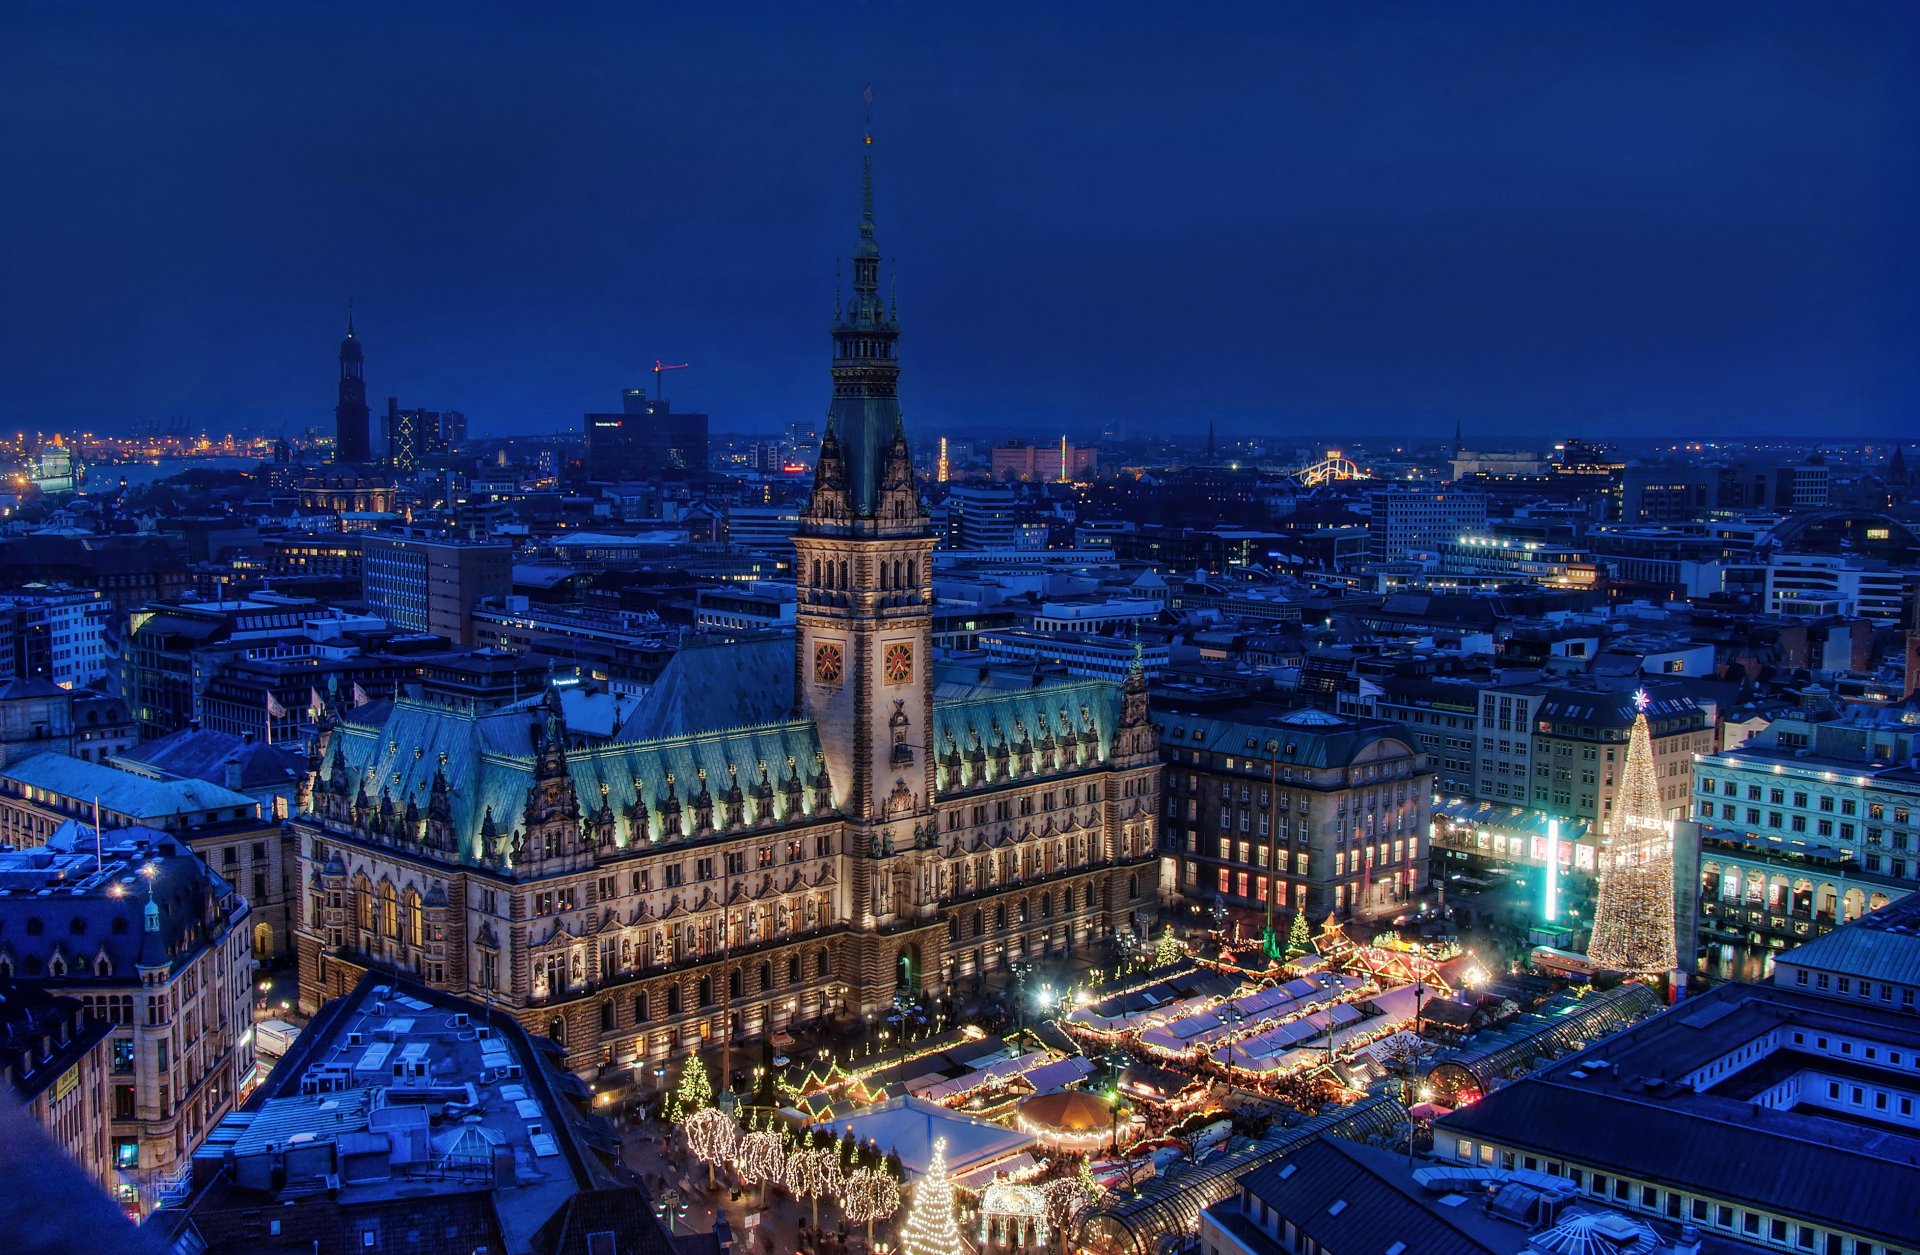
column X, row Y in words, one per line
column 416, row 436
column 353, row 422
column 1410, row 519
column 982, row 516
column 646, row 440
column 432, row 583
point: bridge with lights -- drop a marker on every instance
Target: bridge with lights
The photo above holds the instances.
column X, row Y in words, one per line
column 1326, row 470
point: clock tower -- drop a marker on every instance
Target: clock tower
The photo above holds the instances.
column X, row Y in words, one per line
column 864, row 563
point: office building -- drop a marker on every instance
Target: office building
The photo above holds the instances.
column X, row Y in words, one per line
column 646, row 440
column 1318, row 813
column 982, row 517
column 345, row 1147
column 1047, row 463
column 432, row 584
column 1410, row 519
column 1559, row 748
column 1806, row 826
column 1780, row 1117
column 156, row 945
column 55, row 1060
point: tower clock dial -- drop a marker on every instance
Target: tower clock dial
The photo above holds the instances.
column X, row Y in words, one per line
column 897, row 664
column 829, row 664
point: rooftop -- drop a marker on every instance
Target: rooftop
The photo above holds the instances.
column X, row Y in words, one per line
column 121, row 792
column 1662, row 1101
column 398, row 1099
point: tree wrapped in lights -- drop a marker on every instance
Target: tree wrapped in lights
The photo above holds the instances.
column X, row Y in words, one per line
column 1633, row 922
column 872, row 1195
column 929, row 1227
column 761, row 1158
column 1169, row 949
column 695, row 1090
column 1298, row 940
column 711, row 1136
column 813, row 1171
column 1068, row 1199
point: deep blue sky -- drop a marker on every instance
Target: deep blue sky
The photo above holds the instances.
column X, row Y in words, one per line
column 1540, row 218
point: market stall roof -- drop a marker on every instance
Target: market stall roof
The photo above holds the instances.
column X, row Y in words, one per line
column 910, row 1126
column 1075, row 1111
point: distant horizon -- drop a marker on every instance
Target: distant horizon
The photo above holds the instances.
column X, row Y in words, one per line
column 1619, row 220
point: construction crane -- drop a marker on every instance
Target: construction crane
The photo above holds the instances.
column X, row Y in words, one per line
column 661, row 368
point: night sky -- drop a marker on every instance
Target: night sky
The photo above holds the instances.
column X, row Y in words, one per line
column 1318, row 220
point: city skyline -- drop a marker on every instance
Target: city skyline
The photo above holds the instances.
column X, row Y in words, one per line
column 1510, row 220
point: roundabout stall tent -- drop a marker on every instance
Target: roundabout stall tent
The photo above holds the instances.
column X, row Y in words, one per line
column 1171, row 1205
column 1563, row 1026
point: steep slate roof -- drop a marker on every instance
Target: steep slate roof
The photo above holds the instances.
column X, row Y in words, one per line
column 490, row 765
column 707, row 686
column 1009, row 716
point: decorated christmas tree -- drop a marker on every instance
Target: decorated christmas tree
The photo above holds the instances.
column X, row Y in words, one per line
column 1169, row 949
column 695, row 1090
column 1298, row 942
column 1633, row 922
column 929, row 1227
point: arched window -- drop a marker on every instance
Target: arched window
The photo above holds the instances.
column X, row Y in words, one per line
column 979, row 923
column 736, row 984
column 673, row 1000
column 706, row 991
column 766, row 976
column 823, row 964
column 606, row 1016
column 1133, row 887
column 363, row 902
column 389, row 910
column 793, row 969
column 416, row 920
column 557, row 1030
column 640, row 1007
column 1086, row 897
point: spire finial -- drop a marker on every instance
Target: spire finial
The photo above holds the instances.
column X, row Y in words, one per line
column 866, row 172
column 349, row 317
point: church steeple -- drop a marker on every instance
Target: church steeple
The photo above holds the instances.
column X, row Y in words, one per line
column 353, row 440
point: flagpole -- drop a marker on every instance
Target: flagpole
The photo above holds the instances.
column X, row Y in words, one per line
column 98, row 860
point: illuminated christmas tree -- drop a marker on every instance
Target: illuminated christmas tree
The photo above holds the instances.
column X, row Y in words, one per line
column 929, row 1228
column 1169, row 949
column 695, row 1090
column 1298, row 941
column 1633, row 923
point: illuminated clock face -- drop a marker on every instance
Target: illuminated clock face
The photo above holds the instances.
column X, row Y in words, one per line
column 898, row 665
column 828, row 664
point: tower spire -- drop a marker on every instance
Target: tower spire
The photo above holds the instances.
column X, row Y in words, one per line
column 863, row 422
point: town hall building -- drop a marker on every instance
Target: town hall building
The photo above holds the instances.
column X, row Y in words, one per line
column 790, row 827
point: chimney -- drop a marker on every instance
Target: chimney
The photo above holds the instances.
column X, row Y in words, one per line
column 1688, row 1241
